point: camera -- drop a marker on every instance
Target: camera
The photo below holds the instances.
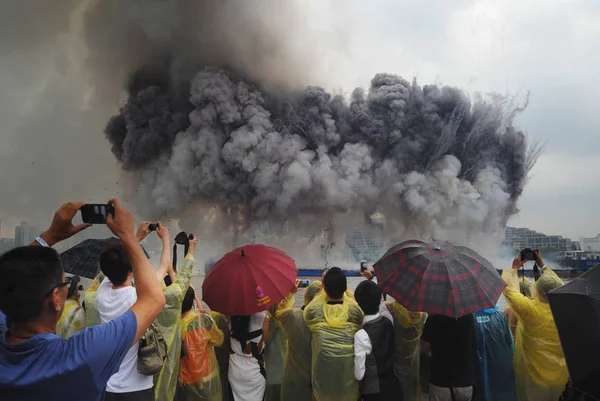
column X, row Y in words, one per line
column 80, row 287
column 153, row 227
column 303, row 283
column 528, row 254
column 363, row 265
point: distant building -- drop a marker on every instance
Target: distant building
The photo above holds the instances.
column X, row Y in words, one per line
column 6, row 244
column 521, row 238
column 25, row 234
column 366, row 243
column 590, row 244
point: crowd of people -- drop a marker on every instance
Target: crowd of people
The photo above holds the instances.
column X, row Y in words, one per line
column 56, row 344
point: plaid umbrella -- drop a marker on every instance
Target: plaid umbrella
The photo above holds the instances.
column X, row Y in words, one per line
column 83, row 259
column 439, row 278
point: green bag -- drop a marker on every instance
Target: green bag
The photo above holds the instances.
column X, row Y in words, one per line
column 152, row 352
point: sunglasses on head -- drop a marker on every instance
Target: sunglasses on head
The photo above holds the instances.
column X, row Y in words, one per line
column 66, row 283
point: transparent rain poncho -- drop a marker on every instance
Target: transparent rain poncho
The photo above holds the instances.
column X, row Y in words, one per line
column 222, row 352
column 494, row 356
column 92, row 316
column 540, row 367
column 165, row 382
column 71, row 321
column 199, row 377
column 408, row 327
column 333, row 327
column 274, row 355
column 295, row 384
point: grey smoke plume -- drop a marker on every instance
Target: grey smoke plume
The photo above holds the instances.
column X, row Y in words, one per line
column 218, row 129
column 427, row 159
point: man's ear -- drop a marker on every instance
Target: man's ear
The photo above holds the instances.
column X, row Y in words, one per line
column 56, row 300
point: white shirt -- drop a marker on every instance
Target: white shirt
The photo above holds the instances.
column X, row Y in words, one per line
column 112, row 304
column 362, row 342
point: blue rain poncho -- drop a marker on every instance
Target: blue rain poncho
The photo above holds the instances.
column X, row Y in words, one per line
column 493, row 348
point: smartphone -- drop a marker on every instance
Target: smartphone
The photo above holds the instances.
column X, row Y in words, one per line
column 96, row 213
column 363, row 265
column 303, row 283
column 153, row 227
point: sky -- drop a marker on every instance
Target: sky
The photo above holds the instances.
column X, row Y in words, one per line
column 52, row 147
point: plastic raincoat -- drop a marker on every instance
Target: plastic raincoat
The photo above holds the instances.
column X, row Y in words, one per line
column 333, row 327
column 92, row 316
column 199, row 371
column 71, row 321
column 274, row 354
column 222, row 352
column 540, row 367
column 295, row 384
column 494, row 356
column 165, row 383
column 408, row 327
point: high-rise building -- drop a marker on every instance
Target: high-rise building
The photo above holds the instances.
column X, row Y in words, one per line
column 6, row 244
column 590, row 244
column 366, row 243
column 24, row 234
column 521, row 238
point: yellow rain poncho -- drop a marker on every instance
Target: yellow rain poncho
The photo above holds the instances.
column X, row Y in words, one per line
column 71, row 321
column 333, row 327
column 274, row 354
column 540, row 367
column 165, row 383
column 199, row 372
column 222, row 352
column 408, row 327
column 295, row 384
column 92, row 316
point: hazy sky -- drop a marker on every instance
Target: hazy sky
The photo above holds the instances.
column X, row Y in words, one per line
column 549, row 48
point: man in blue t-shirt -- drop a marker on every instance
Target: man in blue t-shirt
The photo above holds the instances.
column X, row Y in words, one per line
column 36, row 364
column 3, row 326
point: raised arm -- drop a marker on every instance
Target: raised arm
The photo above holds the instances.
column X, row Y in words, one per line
column 520, row 304
column 286, row 305
column 150, row 297
column 62, row 226
column 165, row 255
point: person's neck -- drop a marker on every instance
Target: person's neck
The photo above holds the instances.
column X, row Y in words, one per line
column 329, row 299
column 23, row 331
column 127, row 283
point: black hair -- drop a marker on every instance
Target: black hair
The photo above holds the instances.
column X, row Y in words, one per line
column 368, row 297
column 335, row 283
column 115, row 264
column 239, row 328
column 28, row 275
column 188, row 300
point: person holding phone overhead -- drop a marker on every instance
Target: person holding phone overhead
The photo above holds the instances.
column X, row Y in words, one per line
column 33, row 292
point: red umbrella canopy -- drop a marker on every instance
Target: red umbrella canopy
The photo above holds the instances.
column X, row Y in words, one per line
column 248, row 280
column 439, row 278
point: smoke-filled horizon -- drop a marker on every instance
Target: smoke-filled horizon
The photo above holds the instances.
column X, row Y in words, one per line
column 420, row 158
column 221, row 127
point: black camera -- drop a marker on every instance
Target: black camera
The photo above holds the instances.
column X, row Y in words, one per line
column 528, row 254
column 153, row 227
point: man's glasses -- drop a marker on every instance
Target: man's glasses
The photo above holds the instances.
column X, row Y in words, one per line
column 66, row 283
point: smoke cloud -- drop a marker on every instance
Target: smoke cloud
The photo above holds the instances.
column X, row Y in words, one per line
column 222, row 130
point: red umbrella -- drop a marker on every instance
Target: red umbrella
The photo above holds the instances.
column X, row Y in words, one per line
column 439, row 278
column 249, row 279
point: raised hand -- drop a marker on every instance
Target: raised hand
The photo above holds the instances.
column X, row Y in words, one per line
column 62, row 226
column 121, row 224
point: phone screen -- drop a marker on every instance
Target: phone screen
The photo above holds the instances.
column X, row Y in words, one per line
column 363, row 266
column 303, row 283
column 96, row 213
